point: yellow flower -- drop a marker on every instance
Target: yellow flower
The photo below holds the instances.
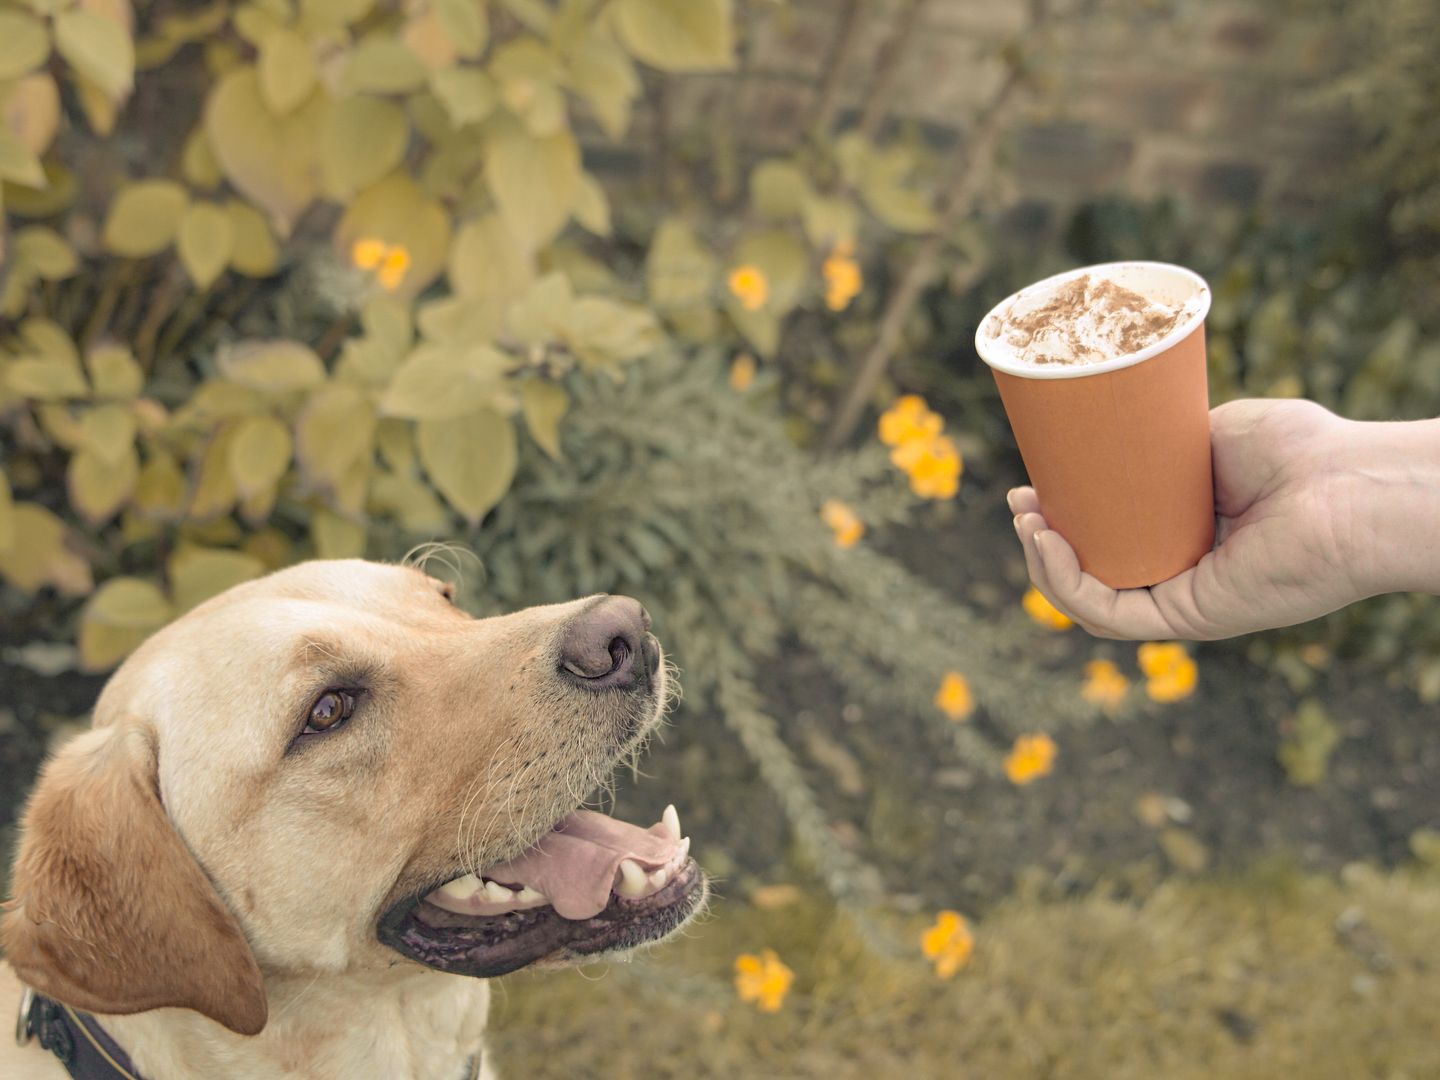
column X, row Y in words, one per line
column 843, row 279
column 1045, row 613
column 948, row 944
column 954, row 698
column 1032, row 757
column 933, row 465
column 847, row 526
column 1171, row 673
column 1104, row 685
column 368, row 253
column 750, row 286
column 742, row 373
column 762, row 979
column 907, row 420
column 393, row 269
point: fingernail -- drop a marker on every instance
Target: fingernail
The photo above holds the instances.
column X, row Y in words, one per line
column 1010, row 500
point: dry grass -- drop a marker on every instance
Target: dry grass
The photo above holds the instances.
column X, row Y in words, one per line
column 1275, row 974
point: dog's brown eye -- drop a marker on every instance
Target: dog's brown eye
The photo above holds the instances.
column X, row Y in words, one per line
column 331, row 709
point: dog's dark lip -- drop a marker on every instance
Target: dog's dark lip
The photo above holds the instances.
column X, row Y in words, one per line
column 489, row 946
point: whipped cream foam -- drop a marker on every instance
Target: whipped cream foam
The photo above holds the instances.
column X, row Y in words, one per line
column 1082, row 320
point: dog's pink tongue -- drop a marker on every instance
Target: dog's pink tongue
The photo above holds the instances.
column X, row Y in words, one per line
column 575, row 864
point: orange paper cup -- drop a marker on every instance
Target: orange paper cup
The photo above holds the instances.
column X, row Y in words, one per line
column 1118, row 451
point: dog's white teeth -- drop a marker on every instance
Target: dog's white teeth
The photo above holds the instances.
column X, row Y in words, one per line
column 658, row 878
column 498, row 893
column 527, row 895
column 462, row 888
column 671, row 821
column 632, row 879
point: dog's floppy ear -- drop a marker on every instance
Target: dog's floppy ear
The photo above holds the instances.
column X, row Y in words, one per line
column 111, row 913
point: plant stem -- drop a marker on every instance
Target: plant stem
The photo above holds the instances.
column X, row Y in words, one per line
column 887, row 66
column 339, row 330
column 162, row 303
column 827, row 98
column 105, row 305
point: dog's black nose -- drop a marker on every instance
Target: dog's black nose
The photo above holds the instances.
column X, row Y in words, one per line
column 609, row 644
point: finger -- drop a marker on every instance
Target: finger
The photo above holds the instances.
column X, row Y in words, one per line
column 1023, row 500
column 1027, row 526
column 1121, row 613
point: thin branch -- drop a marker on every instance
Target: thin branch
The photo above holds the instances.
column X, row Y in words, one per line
column 827, row 98
column 970, row 173
column 887, row 67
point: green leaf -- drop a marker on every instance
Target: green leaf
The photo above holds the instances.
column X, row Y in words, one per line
column 273, row 161
column 287, row 70
column 534, row 181
column 108, row 431
column 679, row 35
column 602, row 74
column 336, row 537
column 333, row 14
column 545, row 404
column 783, row 260
column 31, row 110
column 486, row 261
column 98, row 48
column 160, row 490
column 441, row 381
column 205, row 242
column 197, row 574
column 679, row 271
column 144, row 218
column 254, row 251
column 335, row 430
column 17, row 162
column 275, row 367
column 465, row 24
column 778, row 189
column 24, row 44
column 467, row 93
column 99, row 488
column 470, row 460
column 363, row 139
column 122, row 614
column 601, row 332
column 592, row 208
column 197, row 161
column 45, row 379
column 397, row 212
column 383, row 65
column 7, row 512
column 215, row 492
column 830, row 220
column 411, row 501
column 38, row 556
column 114, row 372
column 46, row 252
column 259, row 454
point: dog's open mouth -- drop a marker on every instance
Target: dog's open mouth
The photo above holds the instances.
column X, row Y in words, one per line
column 591, row 885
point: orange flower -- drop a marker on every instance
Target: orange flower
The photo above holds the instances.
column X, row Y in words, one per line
column 907, row 420
column 742, row 373
column 367, row 254
column 391, row 262
column 1171, row 673
column 394, row 268
column 1032, row 757
column 750, row 286
column 762, row 979
column 847, row 526
column 933, row 465
column 1104, row 685
column 954, row 697
column 843, row 279
column 948, row 944
column 1045, row 613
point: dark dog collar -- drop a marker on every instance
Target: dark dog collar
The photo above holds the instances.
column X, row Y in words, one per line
column 84, row 1048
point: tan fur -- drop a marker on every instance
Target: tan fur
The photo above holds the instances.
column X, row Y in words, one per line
column 192, row 877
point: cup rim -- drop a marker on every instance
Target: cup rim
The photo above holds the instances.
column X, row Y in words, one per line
column 1081, row 371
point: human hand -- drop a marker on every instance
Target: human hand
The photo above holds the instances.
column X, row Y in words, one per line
column 1287, row 515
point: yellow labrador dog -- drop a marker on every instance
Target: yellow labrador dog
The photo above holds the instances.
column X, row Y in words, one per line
column 318, row 812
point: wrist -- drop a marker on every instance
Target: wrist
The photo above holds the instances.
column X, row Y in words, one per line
column 1390, row 475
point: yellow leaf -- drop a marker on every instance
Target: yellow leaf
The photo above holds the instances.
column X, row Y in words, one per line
column 114, row 372
column 460, row 319
column 61, row 424
column 45, row 380
column 467, row 94
column 144, row 218
column 255, row 253
column 336, row 537
column 130, row 603
column 287, row 70
column 396, row 443
column 363, row 139
column 335, row 430
column 782, row 258
column 205, row 242
column 399, row 214
column 102, row 646
column 99, row 49
column 534, row 181
column 100, row 109
column 274, row 367
column 160, row 490
column 426, row 38
column 272, row 161
column 197, row 162
column 18, row 163
column 470, row 459
column 592, row 209
column 197, row 574
column 31, row 110
column 259, row 454
column 441, row 381
column 108, row 431
column 679, row 35
column 411, row 501
column 545, row 404
column 679, row 272
column 99, row 488
column 38, row 555
column 7, row 513
column 215, row 491
column 333, row 14
column 24, row 44
column 58, row 193
column 465, row 24
column 383, row 65
column 600, row 331
column 602, row 73
column 44, row 251
column 778, row 189
column 830, row 221
column 487, row 262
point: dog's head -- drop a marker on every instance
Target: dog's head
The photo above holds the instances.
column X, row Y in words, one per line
column 332, row 769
